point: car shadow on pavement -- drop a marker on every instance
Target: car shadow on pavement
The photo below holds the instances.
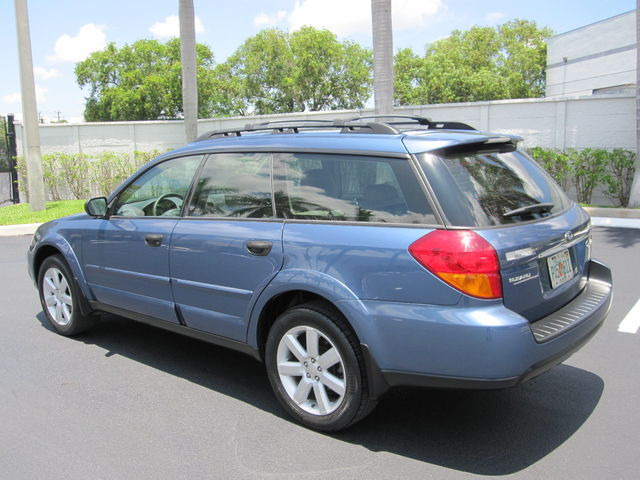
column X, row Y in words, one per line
column 620, row 237
column 481, row 432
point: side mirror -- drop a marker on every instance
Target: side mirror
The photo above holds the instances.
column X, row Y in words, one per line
column 96, row 207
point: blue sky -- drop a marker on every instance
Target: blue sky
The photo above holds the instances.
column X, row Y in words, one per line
column 65, row 31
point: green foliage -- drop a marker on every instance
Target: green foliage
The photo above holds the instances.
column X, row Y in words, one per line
column 52, row 176
column 74, row 168
column 619, row 178
column 482, row 63
column 556, row 163
column 21, row 169
column 142, row 81
column 588, row 168
column 307, row 70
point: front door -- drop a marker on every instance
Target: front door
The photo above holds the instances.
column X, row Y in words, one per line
column 126, row 256
column 228, row 246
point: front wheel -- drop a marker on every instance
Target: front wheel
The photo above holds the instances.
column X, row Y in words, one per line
column 60, row 297
column 315, row 368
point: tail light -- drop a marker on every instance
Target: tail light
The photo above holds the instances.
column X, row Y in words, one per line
column 461, row 258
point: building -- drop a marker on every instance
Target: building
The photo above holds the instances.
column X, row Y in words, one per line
column 595, row 59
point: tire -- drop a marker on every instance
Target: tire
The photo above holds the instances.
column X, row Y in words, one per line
column 60, row 297
column 323, row 387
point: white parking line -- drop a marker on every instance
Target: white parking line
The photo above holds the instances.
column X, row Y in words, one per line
column 631, row 322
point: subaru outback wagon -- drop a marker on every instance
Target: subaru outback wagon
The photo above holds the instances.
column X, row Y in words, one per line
column 349, row 256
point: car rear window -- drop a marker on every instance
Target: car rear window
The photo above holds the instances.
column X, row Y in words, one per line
column 480, row 189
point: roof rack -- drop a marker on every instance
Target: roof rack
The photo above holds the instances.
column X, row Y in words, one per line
column 408, row 119
column 351, row 125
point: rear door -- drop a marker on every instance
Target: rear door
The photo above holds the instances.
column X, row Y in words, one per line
column 542, row 238
column 228, row 246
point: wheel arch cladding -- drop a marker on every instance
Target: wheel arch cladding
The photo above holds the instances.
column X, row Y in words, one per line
column 59, row 246
column 281, row 302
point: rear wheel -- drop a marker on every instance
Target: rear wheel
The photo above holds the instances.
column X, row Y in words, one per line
column 60, row 297
column 316, row 369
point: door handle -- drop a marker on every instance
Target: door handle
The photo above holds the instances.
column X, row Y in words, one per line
column 259, row 248
column 153, row 239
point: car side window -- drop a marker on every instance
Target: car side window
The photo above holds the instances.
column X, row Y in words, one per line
column 234, row 185
column 348, row 188
column 160, row 191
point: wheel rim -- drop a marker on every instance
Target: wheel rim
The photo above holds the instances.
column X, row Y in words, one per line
column 311, row 370
column 57, row 296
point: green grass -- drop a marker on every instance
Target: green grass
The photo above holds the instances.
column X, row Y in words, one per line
column 17, row 214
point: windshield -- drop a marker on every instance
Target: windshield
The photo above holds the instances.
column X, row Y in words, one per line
column 480, row 189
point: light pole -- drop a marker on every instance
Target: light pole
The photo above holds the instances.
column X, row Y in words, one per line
column 634, row 196
column 29, row 110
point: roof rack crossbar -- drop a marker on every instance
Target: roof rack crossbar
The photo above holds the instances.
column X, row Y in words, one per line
column 413, row 118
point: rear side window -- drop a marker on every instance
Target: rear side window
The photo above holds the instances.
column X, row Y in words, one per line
column 478, row 189
column 234, row 185
column 348, row 188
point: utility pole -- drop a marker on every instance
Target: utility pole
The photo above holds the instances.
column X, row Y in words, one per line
column 189, row 79
column 29, row 110
column 382, row 56
column 634, row 196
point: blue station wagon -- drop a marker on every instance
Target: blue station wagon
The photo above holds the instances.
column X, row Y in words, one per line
column 350, row 256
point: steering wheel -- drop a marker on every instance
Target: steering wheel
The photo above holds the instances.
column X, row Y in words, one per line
column 166, row 196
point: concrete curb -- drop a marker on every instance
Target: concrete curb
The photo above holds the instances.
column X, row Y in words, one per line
column 613, row 212
column 600, row 217
column 14, row 230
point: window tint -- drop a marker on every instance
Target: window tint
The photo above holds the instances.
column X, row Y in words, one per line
column 234, row 185
column 160, row 191
column 349, row 188
column 484, row 189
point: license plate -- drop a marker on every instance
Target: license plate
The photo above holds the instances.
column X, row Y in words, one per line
column 560, row 269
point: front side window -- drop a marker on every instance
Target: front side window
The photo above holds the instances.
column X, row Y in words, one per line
column 234, row 185
column 348, row 188
column 160, row 191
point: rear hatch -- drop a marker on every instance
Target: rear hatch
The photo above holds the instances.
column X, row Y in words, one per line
column 542, row 238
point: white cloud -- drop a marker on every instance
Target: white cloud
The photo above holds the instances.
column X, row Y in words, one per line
column 89, row 39
column 264, row 19
column 11, row 98
column 16, row 97
column 494, row 17
column 171, row 27
column 44, row 74
column 354, row 16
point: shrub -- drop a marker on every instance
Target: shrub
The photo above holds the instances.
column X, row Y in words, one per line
column 108, row 170
column 51, row 175
column 621, row 168
column 74, row 169
column 23, row 183
column 555, row 162
column 589, row 168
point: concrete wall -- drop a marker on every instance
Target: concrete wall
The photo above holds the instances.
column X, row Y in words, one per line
column 606, row 121
column 593, row 57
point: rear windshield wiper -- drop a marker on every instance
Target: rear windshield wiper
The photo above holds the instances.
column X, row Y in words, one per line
column 534, row 208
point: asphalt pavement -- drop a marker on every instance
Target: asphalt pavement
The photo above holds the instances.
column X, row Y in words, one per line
column 128, row 401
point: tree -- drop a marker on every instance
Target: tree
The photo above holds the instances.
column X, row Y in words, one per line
column 307, row 70
column 483, row 63
column 142, row 81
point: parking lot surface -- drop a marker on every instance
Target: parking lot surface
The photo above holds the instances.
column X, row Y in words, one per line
column 130, row 401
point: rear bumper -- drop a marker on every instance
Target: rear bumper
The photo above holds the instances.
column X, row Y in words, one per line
column 480, row 348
